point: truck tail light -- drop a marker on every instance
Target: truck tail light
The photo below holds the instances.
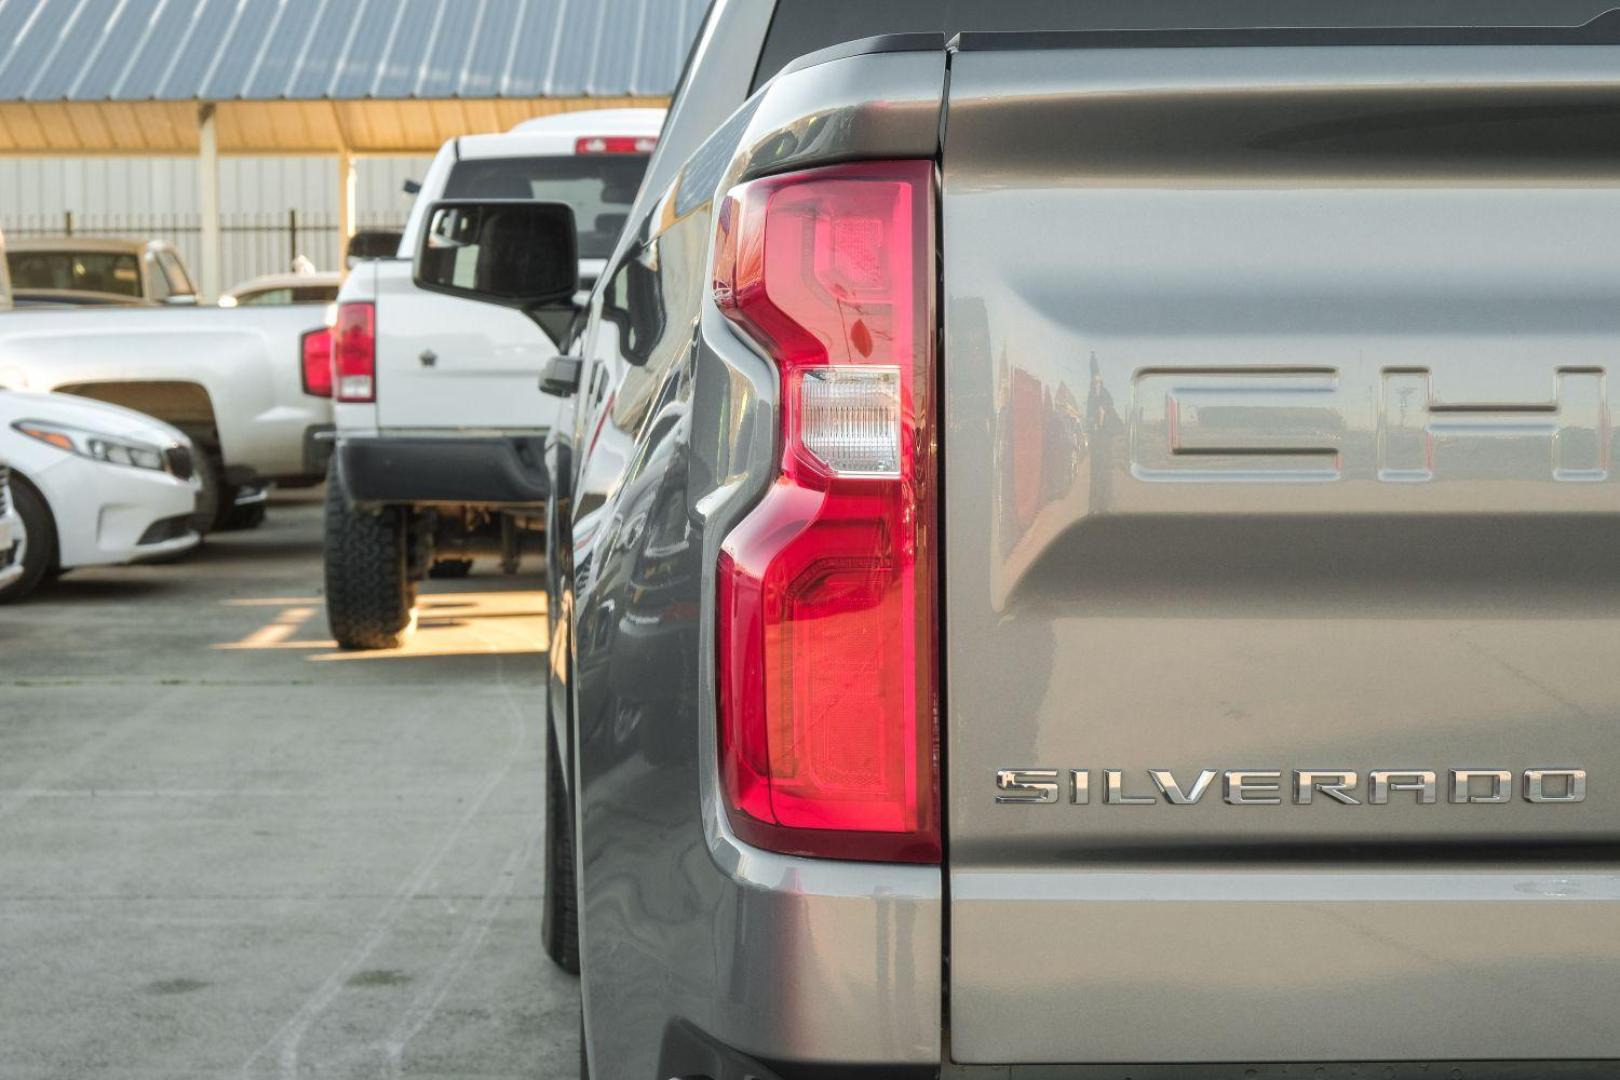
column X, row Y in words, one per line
column 315, row 353
column 828, row 650
column 354, row 352
column 615, row 144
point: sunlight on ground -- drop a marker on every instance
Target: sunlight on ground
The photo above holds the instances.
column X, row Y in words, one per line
column 446, row 624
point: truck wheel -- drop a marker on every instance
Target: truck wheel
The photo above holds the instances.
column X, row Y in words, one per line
column 451, row 568
column 559, row 925
column 214, row 494
column 39, row 539
column 216, row 503
column 368, row 594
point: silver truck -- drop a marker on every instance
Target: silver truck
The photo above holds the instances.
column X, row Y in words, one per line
column 1086, row 544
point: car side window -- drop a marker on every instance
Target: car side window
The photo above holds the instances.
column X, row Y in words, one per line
column 158, row 281
column 179, row 283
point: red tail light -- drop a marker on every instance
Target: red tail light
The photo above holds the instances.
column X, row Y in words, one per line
column 315, row 349
column 828, row 658
column 615, row 144
column 354, row 352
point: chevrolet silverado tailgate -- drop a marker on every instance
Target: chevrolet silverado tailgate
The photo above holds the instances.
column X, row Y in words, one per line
column 1282, row 546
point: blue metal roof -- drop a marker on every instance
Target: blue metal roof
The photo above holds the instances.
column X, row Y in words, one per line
column 343, row 50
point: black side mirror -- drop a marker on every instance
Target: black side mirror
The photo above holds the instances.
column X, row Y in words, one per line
column 514, row 252
column 561, row 376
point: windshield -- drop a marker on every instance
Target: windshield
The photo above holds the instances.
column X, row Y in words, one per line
column 599, row 188
column 77, row 271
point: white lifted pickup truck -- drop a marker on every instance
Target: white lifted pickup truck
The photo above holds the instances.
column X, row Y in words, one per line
column 440, row 422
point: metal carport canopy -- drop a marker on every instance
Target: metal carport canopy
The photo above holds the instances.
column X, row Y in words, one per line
column 344, row 77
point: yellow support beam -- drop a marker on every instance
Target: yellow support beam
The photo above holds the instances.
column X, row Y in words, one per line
column 363, row 128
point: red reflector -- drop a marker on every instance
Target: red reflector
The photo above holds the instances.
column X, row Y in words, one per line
column 828, row 659
column 615, row 144
column 354, row 352
column 315, row 348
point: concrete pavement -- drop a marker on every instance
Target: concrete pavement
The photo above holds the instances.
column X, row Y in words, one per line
column 229, row 850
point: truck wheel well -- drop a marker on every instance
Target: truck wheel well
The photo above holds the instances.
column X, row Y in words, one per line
column 185, row 405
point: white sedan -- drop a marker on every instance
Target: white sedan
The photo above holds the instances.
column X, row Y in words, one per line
column 91, row 485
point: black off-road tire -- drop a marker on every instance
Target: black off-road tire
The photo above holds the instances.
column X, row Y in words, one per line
column 40, row 551
column 450, row 569
column 559, row 924
column 369, row 594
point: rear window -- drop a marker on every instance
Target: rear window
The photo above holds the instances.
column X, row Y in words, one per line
column 600, row 188
column 303, row 294
column 78, row 271
column 803, row 26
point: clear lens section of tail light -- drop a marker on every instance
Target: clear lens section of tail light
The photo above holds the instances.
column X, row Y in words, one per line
column 849, row 419
column 828, row 655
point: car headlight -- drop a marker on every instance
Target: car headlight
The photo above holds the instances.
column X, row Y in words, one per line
column 95, row 445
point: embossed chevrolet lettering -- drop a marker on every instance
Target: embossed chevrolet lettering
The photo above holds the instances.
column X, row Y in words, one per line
column 1301, row 787
column 1275, row 423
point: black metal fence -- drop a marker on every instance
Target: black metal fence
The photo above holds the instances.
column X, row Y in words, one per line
column 250, row 244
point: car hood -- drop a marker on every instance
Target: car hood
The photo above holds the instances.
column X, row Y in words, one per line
column 73, row 411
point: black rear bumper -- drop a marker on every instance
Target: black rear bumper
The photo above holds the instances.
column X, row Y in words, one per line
column 495, row 471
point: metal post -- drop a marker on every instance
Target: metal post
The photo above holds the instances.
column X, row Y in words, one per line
column 346, row 173
column 292, row 237
column 208, row 201
column 67, row 222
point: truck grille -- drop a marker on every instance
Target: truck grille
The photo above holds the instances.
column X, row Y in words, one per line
column 177, row 459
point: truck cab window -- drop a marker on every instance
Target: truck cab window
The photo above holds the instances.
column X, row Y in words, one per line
column 598, row 187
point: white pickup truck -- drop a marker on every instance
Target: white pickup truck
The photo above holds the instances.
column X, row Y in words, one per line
column 440, row 422
column 246, row 385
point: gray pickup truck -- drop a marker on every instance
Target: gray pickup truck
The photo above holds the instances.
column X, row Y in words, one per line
column 1086, row 544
